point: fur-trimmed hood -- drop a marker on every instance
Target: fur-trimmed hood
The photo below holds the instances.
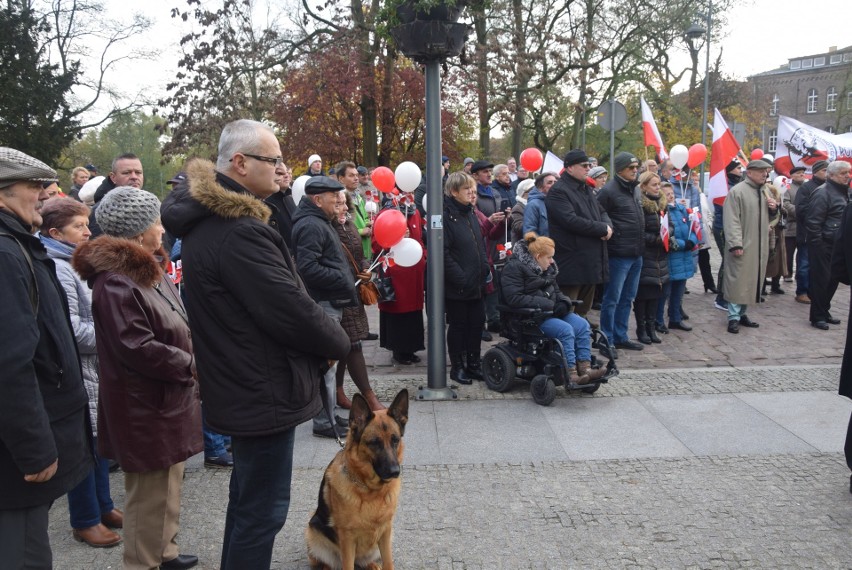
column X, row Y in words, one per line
column 120, row 256
column 522, row 254
column 206, row 193
column 651, row 206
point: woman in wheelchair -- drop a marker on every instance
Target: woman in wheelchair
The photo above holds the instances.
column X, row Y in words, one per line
column 529, row 281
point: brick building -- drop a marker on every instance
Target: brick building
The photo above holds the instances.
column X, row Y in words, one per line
column 814, row 89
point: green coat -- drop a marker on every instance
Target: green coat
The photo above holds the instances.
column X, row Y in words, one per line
column 746, row 222
column 361, row 219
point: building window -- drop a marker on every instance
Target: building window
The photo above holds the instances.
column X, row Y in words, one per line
column 836, row 58
column 831, row 99
column 849, row 101
column 772, row 142
column 773, row 107
column 819, row 61
column 829, row 130
column 796, row 64
column 807, row 63
column 813, row 101
column 847, row 56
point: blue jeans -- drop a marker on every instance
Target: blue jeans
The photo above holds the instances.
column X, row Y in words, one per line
column 803, row 266
column 214, row 443
column 673, row 292
column 259, row 499
column 735, row 312
column 618, row 296
column 574, row 332
column 91, row 497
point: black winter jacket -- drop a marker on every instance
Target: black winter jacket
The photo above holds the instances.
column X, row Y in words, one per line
column 283, row 208
column 825, row 211
column 465, row 261
column 803, row 199
column 324, row 267
column 577, row 223
column 620, row 199
column 655, row 265
column 44, row 409
column 261, row 343
column 106, row 186
column 523, row 284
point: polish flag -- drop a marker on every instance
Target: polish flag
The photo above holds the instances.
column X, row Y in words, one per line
column 649, row 127
column 695, row 226
column 725, row 149
column 664, row 230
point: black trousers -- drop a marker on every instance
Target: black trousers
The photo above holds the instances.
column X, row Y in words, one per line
column 645, row 310
column 464, row 325
column 822, row 287
column 791, row 244
column 704, row 266
column 23, row 538
column 847, row 449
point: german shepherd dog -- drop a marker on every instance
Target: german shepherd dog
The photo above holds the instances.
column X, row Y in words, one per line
column 353, row 524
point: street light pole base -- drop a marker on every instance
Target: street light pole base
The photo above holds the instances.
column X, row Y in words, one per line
column 432, row 394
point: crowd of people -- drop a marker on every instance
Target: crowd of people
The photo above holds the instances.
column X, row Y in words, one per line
column 110, row 359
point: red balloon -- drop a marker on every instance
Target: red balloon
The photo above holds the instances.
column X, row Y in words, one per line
column 757, row 154
column 383, row 179
column 697, row 154
column 532, row 159
column 389, row 228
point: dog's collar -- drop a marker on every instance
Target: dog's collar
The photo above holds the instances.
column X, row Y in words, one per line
column 354, row 480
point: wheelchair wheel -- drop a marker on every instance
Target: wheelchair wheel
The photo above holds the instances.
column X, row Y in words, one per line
column 498, row 370
column 590, row 389
column 543, row 390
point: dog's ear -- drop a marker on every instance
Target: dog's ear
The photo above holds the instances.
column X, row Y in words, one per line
column 398, row 410
column 359, row 416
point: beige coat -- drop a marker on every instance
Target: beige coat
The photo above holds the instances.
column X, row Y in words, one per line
column 746, row 223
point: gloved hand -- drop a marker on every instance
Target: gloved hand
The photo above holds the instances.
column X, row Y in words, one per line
column 560, row 309
column 690, row 245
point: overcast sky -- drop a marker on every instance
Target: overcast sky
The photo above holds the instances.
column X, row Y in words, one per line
column 762, row 35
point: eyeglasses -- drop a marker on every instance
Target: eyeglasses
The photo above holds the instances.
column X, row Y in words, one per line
column 585, row 164
column 277, row 161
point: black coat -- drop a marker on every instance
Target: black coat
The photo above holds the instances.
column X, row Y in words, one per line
column 106, row 186
column 261, row 343
column 465, row 261
column 44, row 409
column 655, row 264
column 841, row 269
column 523, row 284
column 803, row 199
column 577, row 223
column 283, row 208
column 323, row 265
column 620, row 199
column 825, row 210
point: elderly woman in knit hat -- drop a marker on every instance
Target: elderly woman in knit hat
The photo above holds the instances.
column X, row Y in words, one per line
column 600, row 176
column 149, row 417
column 518, row 209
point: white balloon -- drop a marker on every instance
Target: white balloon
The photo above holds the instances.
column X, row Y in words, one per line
column 87, row 192
column 408, row 176
column 299, row 188
column 371, row 207
column 424, row 202
column 407, row 252
column 781, row 182
column 679, row 155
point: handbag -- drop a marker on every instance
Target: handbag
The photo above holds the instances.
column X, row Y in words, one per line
column 384, row 285
column 367, row 291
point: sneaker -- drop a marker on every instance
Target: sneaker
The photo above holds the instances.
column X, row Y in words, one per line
column 721, row 305
column 332, row 432
column 220, row 461
column 788, row 280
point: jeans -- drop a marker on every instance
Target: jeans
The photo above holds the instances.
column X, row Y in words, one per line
column 736, row 312
column 618, row 296
column 321, row 420
column 259, row 499
column 673, row 291
column 803, row 267
column 91, row 497
column 719, row 238
column 214, row 443
column 574, row 332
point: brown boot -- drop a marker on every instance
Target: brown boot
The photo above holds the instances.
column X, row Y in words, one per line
column 342, row 400
column 97, row 536
column 113, row 519
column 576, row 378
column 373, row 401
column 584, row 368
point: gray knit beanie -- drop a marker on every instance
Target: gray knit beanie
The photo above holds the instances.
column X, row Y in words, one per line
column 623, row 160
column 127, row 212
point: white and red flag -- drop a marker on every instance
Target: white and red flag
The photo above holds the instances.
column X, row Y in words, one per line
column 725, row 149
column 649, row 127
column 695, row 223
column 664, row 229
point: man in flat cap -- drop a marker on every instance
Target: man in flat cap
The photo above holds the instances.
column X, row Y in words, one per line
column 326, row 272
column 620, row 201
column 747, row 210
column 825, row 211
column 45, row 437
column 803, row 198
column 261, row 342
column 580, row 228
column 797, row 178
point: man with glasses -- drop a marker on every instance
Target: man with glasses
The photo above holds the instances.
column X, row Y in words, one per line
column 580, row 229
column 261, row 342
column 621, row 202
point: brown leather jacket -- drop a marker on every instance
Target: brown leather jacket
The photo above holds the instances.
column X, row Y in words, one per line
column 149, row 415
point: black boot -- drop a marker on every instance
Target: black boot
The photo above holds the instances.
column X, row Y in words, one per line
column 652, row 333
column 474, row 366
column 457, row 372
column 642, row 332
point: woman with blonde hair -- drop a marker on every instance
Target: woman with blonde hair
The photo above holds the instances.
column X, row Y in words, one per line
column 655, row 265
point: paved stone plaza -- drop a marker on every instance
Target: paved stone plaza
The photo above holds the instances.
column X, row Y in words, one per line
column 711, row 450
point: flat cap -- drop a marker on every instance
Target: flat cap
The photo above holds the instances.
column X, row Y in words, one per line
column 15, row 166
column 480, row 165
column 796, row 169
column 758, row 164
column 321, row 184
